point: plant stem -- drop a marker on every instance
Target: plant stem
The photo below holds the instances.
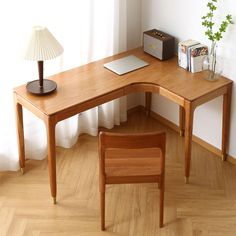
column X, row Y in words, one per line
column 213, row 52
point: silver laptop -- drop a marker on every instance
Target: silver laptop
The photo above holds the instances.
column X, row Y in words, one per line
column 125, row 64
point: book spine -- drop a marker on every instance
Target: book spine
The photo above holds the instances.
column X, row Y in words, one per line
column 197, row 56
column 184, row 60
column 189, row 58
column 182, row 56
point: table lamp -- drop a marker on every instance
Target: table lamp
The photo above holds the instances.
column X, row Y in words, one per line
column 42, row 46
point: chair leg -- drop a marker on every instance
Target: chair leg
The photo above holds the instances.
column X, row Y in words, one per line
column 102, row 207
column 161, row 206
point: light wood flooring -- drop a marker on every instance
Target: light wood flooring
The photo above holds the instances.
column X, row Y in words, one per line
column 205, row 206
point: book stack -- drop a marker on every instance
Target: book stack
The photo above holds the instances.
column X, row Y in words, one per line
column 191, row 54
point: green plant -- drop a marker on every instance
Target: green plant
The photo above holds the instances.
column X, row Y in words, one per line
column 209, row 24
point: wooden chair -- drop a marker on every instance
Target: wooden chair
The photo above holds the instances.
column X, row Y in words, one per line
column 131, row 158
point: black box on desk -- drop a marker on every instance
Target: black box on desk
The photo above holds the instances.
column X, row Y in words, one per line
column 159, row 44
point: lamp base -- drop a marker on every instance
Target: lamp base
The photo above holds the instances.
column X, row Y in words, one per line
column 49, row 86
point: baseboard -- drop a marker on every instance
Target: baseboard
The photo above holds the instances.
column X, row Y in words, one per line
column 231, row 160
column 164, row 121
column 174, row 127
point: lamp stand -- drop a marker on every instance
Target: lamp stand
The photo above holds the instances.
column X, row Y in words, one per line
column 41, row 86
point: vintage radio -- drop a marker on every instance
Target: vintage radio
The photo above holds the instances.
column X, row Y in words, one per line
column 158, row 44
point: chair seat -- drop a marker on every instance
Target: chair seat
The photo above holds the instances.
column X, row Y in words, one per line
column 131, row 158
column 132, row 162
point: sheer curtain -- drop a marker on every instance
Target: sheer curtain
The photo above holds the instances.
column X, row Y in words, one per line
column 88, row 30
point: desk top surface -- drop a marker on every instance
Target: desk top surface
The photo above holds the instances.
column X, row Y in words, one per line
column 91, row 81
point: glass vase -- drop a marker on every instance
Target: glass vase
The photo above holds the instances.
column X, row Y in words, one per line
column 210, row 64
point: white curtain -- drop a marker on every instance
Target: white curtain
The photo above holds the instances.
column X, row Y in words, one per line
column 88, row 30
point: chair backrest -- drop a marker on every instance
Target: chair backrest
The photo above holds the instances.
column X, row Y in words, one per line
column 108, row 140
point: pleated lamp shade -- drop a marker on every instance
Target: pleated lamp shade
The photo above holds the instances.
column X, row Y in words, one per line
column 42, row 45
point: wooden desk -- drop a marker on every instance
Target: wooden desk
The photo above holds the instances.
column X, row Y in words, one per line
column 90, row 85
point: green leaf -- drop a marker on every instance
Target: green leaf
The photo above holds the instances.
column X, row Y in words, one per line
column 205, row 23
column 229, row 17
column 213, row 8
column 218, row 36
column 209, row 4
column 211, row 38
column 208, row 32
column 208, row 23
column 210, row 15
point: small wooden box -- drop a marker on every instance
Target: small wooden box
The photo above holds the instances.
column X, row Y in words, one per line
column 159, row 44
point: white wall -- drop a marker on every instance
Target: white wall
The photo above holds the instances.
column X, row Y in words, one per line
column 134, row 37
column 133, row 23
column 182, row 19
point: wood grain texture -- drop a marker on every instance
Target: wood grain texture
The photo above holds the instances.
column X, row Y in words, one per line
column 148, row 102
column 226, row 120
column 188, row 136
column 81, row 84
column 51, row 140
column 181, row 120
column 131, row 158
column 90, row 85
column 206, row 206
column 20, row 133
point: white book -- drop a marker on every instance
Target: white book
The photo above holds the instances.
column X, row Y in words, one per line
column 183, row 58
column 197, row 54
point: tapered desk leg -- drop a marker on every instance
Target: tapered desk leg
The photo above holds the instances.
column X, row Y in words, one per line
column 148, row 102
column 225, row 121
column 50, row 126
column 20, row 135
column 181, row 121
column 188, row 137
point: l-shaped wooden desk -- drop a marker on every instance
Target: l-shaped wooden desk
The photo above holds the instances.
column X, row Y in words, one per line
column 91, row 85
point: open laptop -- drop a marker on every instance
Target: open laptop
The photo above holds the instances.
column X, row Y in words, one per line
column 125, row 64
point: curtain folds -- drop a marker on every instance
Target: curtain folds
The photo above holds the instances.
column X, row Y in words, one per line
column 106, row 115
column 88, row 30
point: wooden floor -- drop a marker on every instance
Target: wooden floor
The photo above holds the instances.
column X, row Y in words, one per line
column 205, row 206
